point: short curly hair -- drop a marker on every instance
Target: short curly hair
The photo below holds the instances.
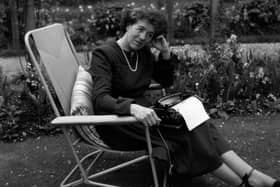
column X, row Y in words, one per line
column 154, row 17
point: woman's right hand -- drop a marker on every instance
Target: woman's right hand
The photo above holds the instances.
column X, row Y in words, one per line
column 144, row 114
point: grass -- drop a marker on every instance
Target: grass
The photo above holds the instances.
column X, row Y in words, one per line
column 45, row 161
column 255, row 139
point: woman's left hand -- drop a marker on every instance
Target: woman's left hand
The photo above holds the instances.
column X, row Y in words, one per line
column 161, row 44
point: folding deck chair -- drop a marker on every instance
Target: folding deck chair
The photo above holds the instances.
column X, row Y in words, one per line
column 55, row 59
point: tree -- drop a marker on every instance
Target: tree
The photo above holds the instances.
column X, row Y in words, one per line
column 14, row 24
column 27, row 17
column 214, row 7
column 4, row 39
column 169, row 10
column 30, row 15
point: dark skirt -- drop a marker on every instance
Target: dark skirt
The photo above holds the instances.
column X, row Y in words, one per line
column 192, row 153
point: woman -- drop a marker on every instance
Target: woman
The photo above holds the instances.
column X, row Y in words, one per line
column 123, row 70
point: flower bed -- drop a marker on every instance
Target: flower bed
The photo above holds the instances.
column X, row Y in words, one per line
column 24, row 108
column 232, row 78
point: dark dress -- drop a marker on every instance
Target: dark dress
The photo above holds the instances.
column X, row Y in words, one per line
column 115, row 87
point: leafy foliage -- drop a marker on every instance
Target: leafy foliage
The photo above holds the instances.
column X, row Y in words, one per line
column 192, row 19
column 91, row 22
column 228, row 83
column 24, row 109
column 253, row 17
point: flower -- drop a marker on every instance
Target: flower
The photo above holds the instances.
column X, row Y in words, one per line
column 260, row 73
column 233, row 37
column 152, row 6
column 228, row 41
column 246, row 64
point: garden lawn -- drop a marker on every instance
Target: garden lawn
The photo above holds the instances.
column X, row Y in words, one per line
column 44, row 161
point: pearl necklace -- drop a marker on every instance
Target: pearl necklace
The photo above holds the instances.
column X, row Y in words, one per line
column 128, row 63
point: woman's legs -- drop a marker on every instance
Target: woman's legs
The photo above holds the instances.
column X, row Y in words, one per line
column 240, row 167
column 227, row 175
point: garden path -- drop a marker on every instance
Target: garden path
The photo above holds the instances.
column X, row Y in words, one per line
column 44, row 161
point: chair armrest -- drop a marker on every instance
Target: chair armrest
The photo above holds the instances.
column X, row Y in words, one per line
column 94, row 120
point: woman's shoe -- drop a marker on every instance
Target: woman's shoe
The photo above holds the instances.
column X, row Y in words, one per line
column 245, row 181
column 276, row 184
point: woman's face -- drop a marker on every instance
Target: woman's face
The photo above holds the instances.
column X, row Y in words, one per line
column 139, row 34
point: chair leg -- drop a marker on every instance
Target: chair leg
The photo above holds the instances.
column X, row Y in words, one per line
column 83, row 179
column 83, row 172
column 94, row 161
column 119, row 166
column 152, row 162
column 86, row 179
column 101, row 173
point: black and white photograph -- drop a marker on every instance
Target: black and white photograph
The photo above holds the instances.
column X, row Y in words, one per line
column 140, row 93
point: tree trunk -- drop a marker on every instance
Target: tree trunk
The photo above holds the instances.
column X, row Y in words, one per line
column 214, row 13
column 169, row 10
column 30, row 15
column 14, row 24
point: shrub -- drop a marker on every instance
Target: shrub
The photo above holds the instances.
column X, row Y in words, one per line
column 253, row 17
column 191, row 20
column 105, row 23
column 24, row 109
column 88, row 24
column 227, row 82
column 219, row 75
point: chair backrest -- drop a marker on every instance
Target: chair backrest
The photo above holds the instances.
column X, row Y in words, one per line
column 54, row 56
column 66, row 84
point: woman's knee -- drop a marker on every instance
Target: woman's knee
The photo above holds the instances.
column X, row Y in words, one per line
column 228, row 154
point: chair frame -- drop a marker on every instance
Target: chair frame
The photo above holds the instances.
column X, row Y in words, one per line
column 66, row 121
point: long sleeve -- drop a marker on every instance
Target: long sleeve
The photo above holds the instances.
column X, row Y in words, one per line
column 101, row 69
column 115, row 86
column 164, row 70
